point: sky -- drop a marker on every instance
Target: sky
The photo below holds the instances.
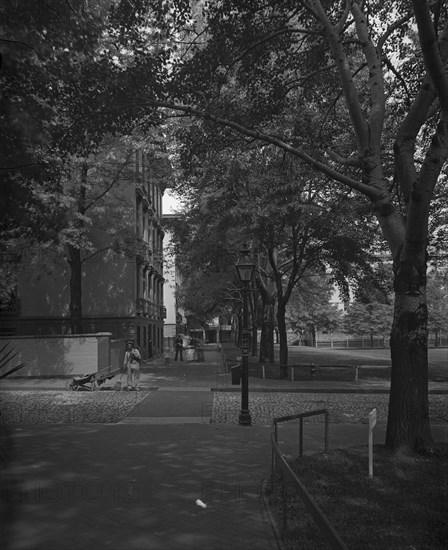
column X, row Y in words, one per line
column 169, row 204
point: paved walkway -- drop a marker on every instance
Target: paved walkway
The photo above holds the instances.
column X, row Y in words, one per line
column 135, row 484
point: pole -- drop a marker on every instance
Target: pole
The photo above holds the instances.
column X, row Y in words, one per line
column 372, row 424
column 244, row 418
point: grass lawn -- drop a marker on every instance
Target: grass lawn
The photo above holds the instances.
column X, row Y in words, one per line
column 359, row 356
column 375, row 362
column 404, row 506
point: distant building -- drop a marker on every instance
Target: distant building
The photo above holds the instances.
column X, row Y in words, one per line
column 122, row 281
column 176, row 322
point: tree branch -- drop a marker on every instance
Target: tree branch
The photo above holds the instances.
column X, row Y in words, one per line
column 113, row 182
column 431, row 50
column 390, row 30
column 355, row 163
column 376, row 83
column 291, row 84
column 87, row 258
column 19, row 43
column 399, row 78
column 270, row 37
column 404, row 147
column 343, row 20
column 365, row 189
column 348, row 85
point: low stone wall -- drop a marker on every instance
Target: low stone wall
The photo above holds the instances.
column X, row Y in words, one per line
column 69, row 355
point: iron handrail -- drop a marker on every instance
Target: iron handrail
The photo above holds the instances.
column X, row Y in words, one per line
column 301, row 416
column 319, row 517
column 277, row 458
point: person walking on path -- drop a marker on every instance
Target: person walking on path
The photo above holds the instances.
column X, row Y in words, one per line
column 131, row 363
column 179, row 347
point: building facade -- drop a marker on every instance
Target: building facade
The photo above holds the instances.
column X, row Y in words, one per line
column 121, row 272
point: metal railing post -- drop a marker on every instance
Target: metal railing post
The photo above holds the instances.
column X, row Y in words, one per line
column 284, row 507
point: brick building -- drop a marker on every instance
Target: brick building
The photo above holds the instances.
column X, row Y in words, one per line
column 122, row 277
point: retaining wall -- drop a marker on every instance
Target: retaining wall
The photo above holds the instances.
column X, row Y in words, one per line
column 69, row 355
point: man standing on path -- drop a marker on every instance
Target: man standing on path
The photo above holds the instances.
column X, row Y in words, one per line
column 131, row 363
column 179, row 347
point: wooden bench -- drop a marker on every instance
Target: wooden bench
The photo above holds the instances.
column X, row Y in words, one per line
column 288, row 371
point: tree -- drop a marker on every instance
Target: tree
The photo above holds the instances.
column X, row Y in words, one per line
column 205, row 246
column 268, row 294
column 292, row 231
column 279, row 206
column 49, row 63
column 362, row 81
column 99, row 221
column 373, row 319
column 310, row 308
column 205, row 295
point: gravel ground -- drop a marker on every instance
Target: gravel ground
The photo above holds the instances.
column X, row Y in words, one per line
column 66, row 407
column 343, row 407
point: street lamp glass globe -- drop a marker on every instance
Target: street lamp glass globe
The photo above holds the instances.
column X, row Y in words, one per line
column 244, row 267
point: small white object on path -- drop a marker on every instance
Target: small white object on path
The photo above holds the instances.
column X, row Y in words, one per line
column 200, row 503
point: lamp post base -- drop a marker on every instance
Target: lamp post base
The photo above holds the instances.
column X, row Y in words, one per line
column 244, row 419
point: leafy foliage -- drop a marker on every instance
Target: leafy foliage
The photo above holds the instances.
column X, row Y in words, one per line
column 63, row 91
column 372, row 319
column 438, row 300
column 310, row 307
column 273, row 201
column 375, row 284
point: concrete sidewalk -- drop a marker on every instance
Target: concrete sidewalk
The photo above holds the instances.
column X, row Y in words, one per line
column 136, row 487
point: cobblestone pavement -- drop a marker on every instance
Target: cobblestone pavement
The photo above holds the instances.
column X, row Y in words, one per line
column 342, row 407
column 66, row 407
column 62, row 407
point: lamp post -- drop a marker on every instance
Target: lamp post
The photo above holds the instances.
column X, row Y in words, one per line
column 245, row 269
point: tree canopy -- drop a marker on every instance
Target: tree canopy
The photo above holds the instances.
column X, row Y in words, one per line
column 356, row 91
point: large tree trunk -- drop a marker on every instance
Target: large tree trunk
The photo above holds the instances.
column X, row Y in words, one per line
column 267, row 294
column 267, row 334
column 75, row 290
column 281, row 310
column 312, row 333
column 408, row 421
